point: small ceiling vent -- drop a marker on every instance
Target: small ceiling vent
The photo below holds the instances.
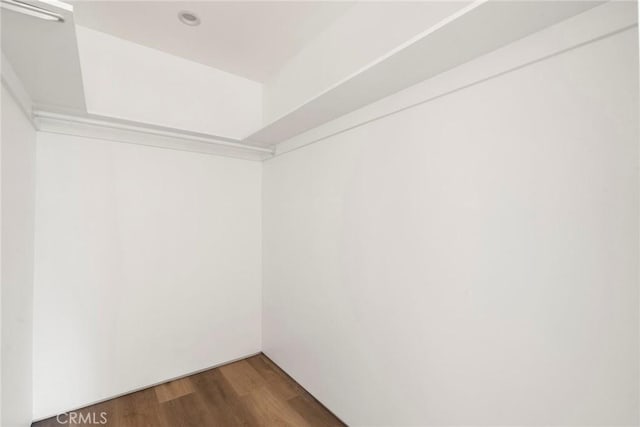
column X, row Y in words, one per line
column 189, row 18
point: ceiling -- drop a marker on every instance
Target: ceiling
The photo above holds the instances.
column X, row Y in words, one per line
column 249, row 39
column 134, row 61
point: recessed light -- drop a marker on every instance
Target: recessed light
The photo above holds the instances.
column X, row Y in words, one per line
column 189, row 18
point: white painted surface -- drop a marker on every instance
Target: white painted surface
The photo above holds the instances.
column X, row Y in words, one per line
column 585, row 27
column 136, row 133
column 148, row 267
column 132, row 82
column 472, row 260
column 359, row 36
column 18, row 196
column 475, row 30
column 252, row 39
column 44, row 55
column 14, row 87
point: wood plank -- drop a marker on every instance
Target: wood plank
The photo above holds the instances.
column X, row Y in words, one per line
column 242, row 377
column 173, row 389
column 279, row 382
column 251, row 392
column 87, row 416
column 95, row 414
column 270, row 410
column 264, row 366
column 190, row 410
column 214, row 387
column 222, row 399
column 139, row 409
column 313, row 411
column 49, row 422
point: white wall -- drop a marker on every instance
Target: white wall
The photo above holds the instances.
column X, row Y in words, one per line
column 133, row 82
column 148, row 266
column 18, row 195
column 469, row 261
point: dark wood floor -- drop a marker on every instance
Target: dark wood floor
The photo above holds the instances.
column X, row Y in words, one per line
column 250, row 392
